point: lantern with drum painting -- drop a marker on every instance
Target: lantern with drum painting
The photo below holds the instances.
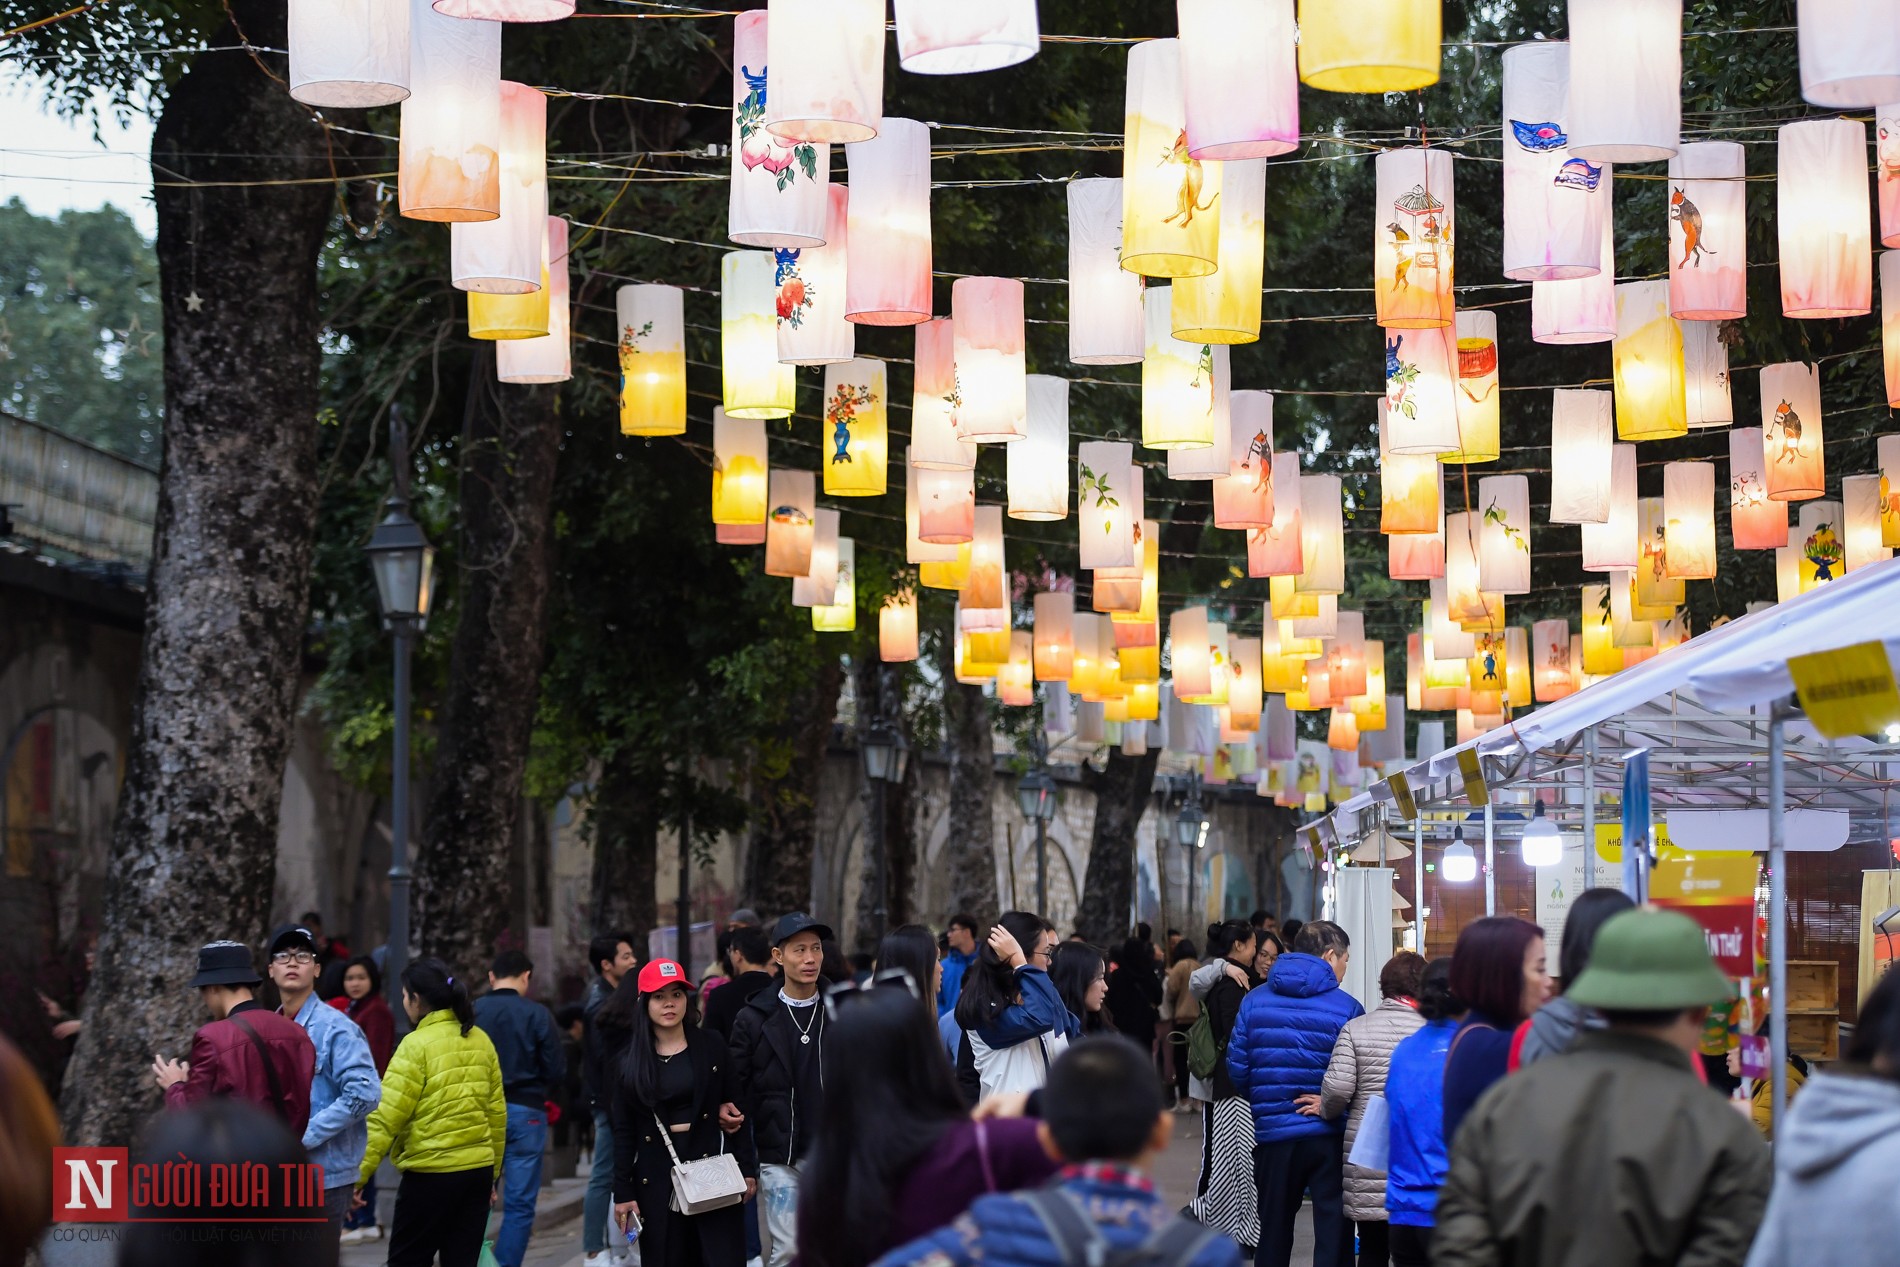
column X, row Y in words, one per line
column 1477, row 395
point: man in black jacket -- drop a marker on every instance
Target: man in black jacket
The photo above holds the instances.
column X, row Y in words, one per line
column 611, row 956
column 750, row 953
column 531, row 1063
column 779, row 1058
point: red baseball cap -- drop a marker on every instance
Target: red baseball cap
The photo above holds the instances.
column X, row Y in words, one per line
column 660, row 973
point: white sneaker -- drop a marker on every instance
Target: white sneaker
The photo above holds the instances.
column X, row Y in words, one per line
column 601, row 1258
column 755, row 1262
column 356, row 1235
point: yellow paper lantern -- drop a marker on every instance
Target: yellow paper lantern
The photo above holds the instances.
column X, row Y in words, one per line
column 1170, row 200
column 777, row 188
column 952, row 575
column 1372, row 46
column 1037, row 466
column 1601, row 656
column 547, row 359
column 1138, row 665
column 960, row 39
column 1650, row 392
column 348, row 54
column 507, row 255
column 1756, row 521
column 512, row 317
column 819, row 586
column 1689, row 520
column 1184, row 386
column 1322, row 536
column 992, row 389
column 1409, row 487
column 757, row 385
column 1144, row 705
column 652, row 353
column 1626, row 85
column 1504, row 543
column 933, row 417
column 985, row 596
column 739, row 470
column 1860, row 517
column 1275, row 550
column 1708, row 238
column 970, row 669
column 855, row 435
column 812, row 329
column 1055, row 636
column 1279, row 672
column 1791, row 431
column 1413, row 238
column 887, row 236
column 449, row 153
column 1212, row 461
column 897, row 628
column 1823, row 219
column 1104, row 298
column 841, row 614
column 825, row 69
column 789, row 525
column 1224, row 306
column 1285, row 602
column 1369, row 709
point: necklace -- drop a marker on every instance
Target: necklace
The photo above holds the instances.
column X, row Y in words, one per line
column 804, row 1031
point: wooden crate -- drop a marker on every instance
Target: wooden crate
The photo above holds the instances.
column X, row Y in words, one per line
column 1815, row 1035
column 1814, row 985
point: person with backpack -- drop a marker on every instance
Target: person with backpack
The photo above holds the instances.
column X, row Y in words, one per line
column 247, row 1052
column 1104, row 1119
column 1224, row 1197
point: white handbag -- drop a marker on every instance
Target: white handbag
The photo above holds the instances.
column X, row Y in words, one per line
column 711, row 1183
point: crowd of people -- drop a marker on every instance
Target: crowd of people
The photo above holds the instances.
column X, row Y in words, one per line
column 999, row 1093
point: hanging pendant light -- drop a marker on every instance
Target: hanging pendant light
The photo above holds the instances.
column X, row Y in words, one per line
column 777, row 190
column 348, row 54
column 1170, row 200
column 1504, row 544
column 841, row 614
column 825, row 69
column 1887, row 454
column 1689, row 520
column 887, row 246
column 1054, row 649
column 818, row 587
column 1550, row 648
column 946, row 512
column 1860, row 522
column 934, row 38
column 652, row 352
column 1419, row 556
column 1458, row 864
column 1190, row 659
column 985, row 594
column 1421, row 393
column 1322, row 536
column 1542, row 844
column 507, row 10
column 1104, row 299
column 449, row 154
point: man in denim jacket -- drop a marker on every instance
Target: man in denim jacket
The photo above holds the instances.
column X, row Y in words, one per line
column 345, row 1089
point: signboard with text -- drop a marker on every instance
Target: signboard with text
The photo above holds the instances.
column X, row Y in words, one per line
column 1719, row 894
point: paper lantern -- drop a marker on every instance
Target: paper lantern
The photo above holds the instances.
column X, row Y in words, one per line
column 1322, row 536
column 1412, row 238
column 1860, row 518
column 1346, row 656
column 987, row 650
column 757, row 384
column 1887, row 454
column 1582, row 437
column 1708, row 238
column 1369, row 45
column 739, row 534
column 1320, row 620
column 652, row 353
column 1627, row 627
column 1104, row 299
column 1224, row 306
column 916, row 549
column 1656, row 591
column 958, row 39
column 1600, row 653
column 1626, row 89
column 1477, row 395
column 1822, row 218
column 1421, row 396
column 887, row 247
column 1887, row 171
column 1419, row 556
column 1212, row 461
column 508, row 10
column 1504, row 545
column 856, row 434
column 1184, row 386
column 1817, row 542
column 1244, row 698
column 1132, row 596
column 449, row 152
column 1279, row 672
column 897, row 628
column 986, row 314
column 547, row 359
column 825, row 69
column 985, row 597
column 1705, row 375
column 1170, row 199
column 933, row 416
column 1409, row 500
column 1756, row 521
column 505, row 255
column 1038, row 464
column 1244, row 497
column 1552, row 215
column 1088, row 653
column 1582, row 310
column 1107, row 523
column 739, row 470
column 1550, row 650
column 349, row 54
column 1850, row 52
column 789, row 523
column 1890, row 317
column 1466, row 599
column 505, row 318
column 1689, row 518
column 819, row 586
column 952, row 575
column 777, row 189
column 841, row 614
column 946, row 507
column 1447, row 636
column 1791, row 431
column 1650, row 393
column 1054, row 636
column 1276, row 550
column 1369, row 709
column 1190, row 661
column 970, row 668
column 1612, row 545
column 1342, row 731
column 812, row 329
column 1239, row 72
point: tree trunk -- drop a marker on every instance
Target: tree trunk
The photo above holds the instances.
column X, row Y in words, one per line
column 626, row 841
column 464, row 894
column 779, row 860
column 1121, row 791
column 969, row 854
column 195, row 842
column 879, row 682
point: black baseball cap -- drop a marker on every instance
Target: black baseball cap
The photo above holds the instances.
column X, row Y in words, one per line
column 225, row 963
column 790, row 926
column 290, row 937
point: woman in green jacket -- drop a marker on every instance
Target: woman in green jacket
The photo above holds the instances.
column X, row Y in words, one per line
column 443, row 1122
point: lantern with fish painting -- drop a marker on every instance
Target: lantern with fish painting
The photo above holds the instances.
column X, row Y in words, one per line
column 1244, row 497
column 1689, row 519
column 1850, row 52
column 856, row 436
column 1791, row 431
column 739, row 470
column 1421, row 393
column 1104, row 298
column 1582, row 437
column 887, row 233
column 1860, row 520
column 1322, row 536
column 757, row 384
column 1477, row 394
column 812, row 329
column 1037, row 466
column 1504, row 543
column 1412, row 238
column 1582, row 309
column 1708, row 232
column 1705, row 375
column 1369, row 45
column 1408, row 487
column 777, row 191
column 652, row 323
column 1240, row 77
column 1626, row 94
column 1108, row 518
column 1184, row 386
column 1276, row 550
column 1756, row 521
column 1612, row 544
column 934, row 38
column 1650, row 394
column 1170, row 199
column 789, row 523
column 1553, row 216
column 1822, row 219
column 825, row 65
column 933, row 417
column 986, row 316
column 1224, row 306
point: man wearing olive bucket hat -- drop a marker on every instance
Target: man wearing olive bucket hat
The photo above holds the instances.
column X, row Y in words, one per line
column 1615, row 1153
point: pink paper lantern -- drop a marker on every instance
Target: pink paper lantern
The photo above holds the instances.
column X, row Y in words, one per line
column 1708, row 232
column 1756, row 521
column 933, row 411
column 887, row 271
column 507, row 10
column 934, row 38
column 1276, row 550
column 449, row 152
column 1241, row 78
column 987, row 318
column 825, row 67
column 1791, row 431
column 1244, row 497
column 1887, row 171
column 1822, row 219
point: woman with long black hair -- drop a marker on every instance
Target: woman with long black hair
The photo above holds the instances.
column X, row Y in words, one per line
column 1226, row 1197
column 669, row 1087
column 913, row 948
column 1080, row 974
column 1014, row 1023
column 898, row 1156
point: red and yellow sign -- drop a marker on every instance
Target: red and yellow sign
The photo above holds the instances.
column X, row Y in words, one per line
column 1719, row 894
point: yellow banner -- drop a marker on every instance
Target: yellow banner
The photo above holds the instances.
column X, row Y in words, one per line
column 1473, row 775
column 1610, row 845
column 1402, row 797
column 1847, row 692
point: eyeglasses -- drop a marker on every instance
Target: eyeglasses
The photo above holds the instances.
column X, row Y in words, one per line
column 1047, row 956
column 293, row 956
column 845, row 991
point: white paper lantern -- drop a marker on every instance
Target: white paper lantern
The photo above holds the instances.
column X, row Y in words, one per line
column 1651, row 399
column 1419, row 556
column 1038, row 464
column 946, row 509
column 1409, row 501
column 887, row 271
column 1322, row 536
column 1054, row 636
column 1323, row 623
column 1244, row 497
column 841, row 614
column 897, row 628
column 1446, row 638
column 1689, row 520
column 1413, row 238
column 777, row 189
column 1104, row 298
column 1190, row 660
column 1213, row 461
column 1850, row 52
column 1278, row 550
column 1477, row 396
column 1822, row 218
column 548, row 358
column 349, row 54
column 757, row 385
column 1224, row 306
column 1170, row 199
column 1887, row 454
column 1887, row 171
column 449, row 159
column 1890, row 322
column 789, row 524
column 1582, row 310
column 1708, row 232
column 652, row 352
column 819, row 586
column 987, row 324
column 1553, row 214
column 1612, row 545
column 1705, row 375
column 812, row 329
column 1756, row 521
column 1626, row 89
column 1106, row 519
column 1504, row 548
column 1582, row 436
column 1421, row 374
column 504, row 256
column 1241, row 77
column 825, row 66
column 934, row 442
column 934, row 38
column 1184, row 386
column 508, row 10
column 1791, row 431
column 1860, row 514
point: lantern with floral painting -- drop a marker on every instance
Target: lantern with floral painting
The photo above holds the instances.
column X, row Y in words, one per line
column 1504, row 544
column 1276, row 550
column 1421, row 394
column 1369, row 45
column 1822, row 218
column 1582, row 309
column 652, row 354
column 548, row 358
column 739, row 470
column 757, row 384
column 1477, row 394
column 1708, row 240
column 887, row 233
column 1626, row 92
column 1612, row 544
column 1224, row 305
column 1850, row 53
column 1791, row 431
column 348, row 54
column 1756, row 520
column 1240, row 79
column 1650, row 394
column 1860, row 522
column 1322, row 536
column 448, row 162
column 1170, row 199
column 1184, row 386
column 986, row 315
column 1038, row 464
column 1412, row 239
column 1189, row 659
column 1108, row 518
column 1553, row 216
column 933, row 419
column 790, row 521
column 1054, row 635
column 856, row 435
column 1550, row 659
column 825, row 69
column 1705, row 375
column 961, row 39
column 812, row 329
column 1887, row 455
column 777, row 188
column 1244, row 497
column 897, row 628
column 1104, row 298
column 984, row 598
column 1409, row 487
column 1689, row 520
column 1582, row 437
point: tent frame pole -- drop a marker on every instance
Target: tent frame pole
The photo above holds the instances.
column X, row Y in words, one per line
column 1589, row 808
column 1490, row 862
column 1778, row 910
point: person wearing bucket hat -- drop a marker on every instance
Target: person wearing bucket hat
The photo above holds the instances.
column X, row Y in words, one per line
column 247, row 1052
column 1614, row 1152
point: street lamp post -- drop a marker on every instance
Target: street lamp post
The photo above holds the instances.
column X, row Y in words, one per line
column 403, row 562
column 1190, row 832
column 884, row 753
column 1036, row 794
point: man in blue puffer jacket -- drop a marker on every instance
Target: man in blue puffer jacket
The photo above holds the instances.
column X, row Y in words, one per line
column 1277, row 1058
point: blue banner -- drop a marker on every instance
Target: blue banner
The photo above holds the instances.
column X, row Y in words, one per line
column 1638, row 833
